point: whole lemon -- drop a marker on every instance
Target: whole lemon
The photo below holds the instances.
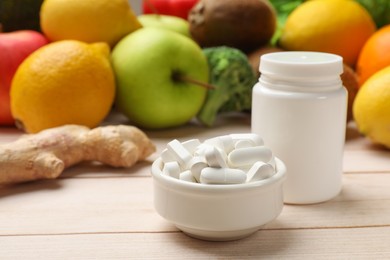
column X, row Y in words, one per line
column 371, row 108
column 88, row 20
column 65, row 82
column 335, row 26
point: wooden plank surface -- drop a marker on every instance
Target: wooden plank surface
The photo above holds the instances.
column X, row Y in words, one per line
column 90, row 205
column 355, row 243
column 97, row 212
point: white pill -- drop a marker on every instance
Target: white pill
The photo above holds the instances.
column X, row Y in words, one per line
column 273, row 162
column 260, row 171
column 187, row 176
column 196, row 165
column 172, row 169
column 212, row 141
column 249, row 155
column 244, row 168
column 227, row 143
column 212, row 175
column 191, row 145
column 201, row 149
column 181, row 154
column 256, row 139
column 215, row 157
column 244, row 143
column 167, row 156
column 224, row 142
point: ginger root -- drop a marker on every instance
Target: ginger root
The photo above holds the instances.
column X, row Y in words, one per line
column 46, row 154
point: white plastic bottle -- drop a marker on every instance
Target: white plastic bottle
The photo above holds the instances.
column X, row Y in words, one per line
column 299, row 107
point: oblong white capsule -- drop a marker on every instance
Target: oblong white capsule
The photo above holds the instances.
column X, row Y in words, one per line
column 249, row 155
column 272, row 162
column 187, row 176
column 167, row 156
column 223, row 142
column 201, row 149
column 172, row 169
column 196, row 165
column 260, row 171
column 256, row 139
column 213, row 142
column 181, row 154
column 191, row 145
column 215, row 157
column 244, row 144
column 211, row 175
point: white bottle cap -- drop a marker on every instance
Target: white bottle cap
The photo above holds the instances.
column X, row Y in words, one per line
column 296, row 64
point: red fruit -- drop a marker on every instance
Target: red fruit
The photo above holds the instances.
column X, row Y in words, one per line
column 179, row 8
column 14, row 48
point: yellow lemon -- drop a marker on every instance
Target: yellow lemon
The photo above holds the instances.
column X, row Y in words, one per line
column 87, row 20
column 335, row 26
column 371, row 108
column 65, row 82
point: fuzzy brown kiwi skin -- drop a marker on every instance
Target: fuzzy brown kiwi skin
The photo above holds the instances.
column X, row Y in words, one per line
column 254, row 56
column 242, row 24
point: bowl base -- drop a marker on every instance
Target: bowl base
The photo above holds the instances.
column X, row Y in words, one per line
column 218, row 235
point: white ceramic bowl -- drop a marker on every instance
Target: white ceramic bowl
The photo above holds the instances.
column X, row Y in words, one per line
column 218, row 212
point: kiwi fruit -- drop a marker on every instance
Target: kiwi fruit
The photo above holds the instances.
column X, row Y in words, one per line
column 242, row 24
column 351, row 83
column 254, row 56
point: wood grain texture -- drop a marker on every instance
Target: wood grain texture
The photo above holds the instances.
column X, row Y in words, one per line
column 352, row 243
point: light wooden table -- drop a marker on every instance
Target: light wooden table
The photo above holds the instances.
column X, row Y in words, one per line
column 95, row 212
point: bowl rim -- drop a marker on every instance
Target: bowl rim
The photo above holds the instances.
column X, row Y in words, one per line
column 280, row 175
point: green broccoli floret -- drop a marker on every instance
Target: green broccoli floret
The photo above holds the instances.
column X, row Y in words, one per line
column 233, row 79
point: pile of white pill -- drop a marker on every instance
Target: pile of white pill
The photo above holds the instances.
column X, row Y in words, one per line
column 227, row 159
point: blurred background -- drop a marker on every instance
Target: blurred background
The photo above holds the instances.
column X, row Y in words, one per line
column 136, row 5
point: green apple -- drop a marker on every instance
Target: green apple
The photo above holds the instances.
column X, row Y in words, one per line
column 153, row 68
column 168, row 22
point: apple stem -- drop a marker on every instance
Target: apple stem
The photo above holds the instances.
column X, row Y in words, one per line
column 152, row 7
column 181, row 77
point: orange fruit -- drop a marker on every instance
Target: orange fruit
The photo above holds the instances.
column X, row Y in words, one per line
column 371, row 108
column 335, row 26
column 65, row 82
column 375, row 54
column 88, row 20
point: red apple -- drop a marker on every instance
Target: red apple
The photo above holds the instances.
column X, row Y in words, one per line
column 179, row 8
column 14, row 48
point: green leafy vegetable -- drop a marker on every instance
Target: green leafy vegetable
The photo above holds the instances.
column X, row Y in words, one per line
column 233, row 78
column 283, row 9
